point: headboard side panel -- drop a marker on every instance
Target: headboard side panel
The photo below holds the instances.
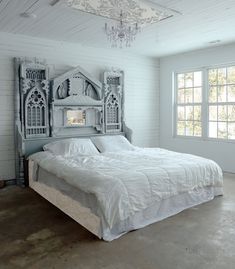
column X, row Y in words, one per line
column 31, row 106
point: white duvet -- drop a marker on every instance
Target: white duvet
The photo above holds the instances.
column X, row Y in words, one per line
column 129, row 181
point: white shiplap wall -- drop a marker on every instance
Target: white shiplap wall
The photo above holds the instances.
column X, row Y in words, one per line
column 141, row 86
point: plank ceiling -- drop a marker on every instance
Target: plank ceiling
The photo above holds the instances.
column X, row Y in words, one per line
column 202, row 21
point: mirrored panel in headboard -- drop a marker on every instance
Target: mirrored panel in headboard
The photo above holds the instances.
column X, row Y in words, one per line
column 75, row 118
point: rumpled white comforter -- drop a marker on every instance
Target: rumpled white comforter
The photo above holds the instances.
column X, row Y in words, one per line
column 129, row 181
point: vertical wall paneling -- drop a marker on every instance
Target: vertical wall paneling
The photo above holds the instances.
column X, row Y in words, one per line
column 141, row 85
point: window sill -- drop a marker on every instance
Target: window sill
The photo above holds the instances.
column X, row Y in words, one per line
column 204, row 139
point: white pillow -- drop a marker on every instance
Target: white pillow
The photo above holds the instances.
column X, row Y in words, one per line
column 72, row 147
column 112, row 143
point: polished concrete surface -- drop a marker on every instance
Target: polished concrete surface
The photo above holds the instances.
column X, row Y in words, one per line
column 34, row 234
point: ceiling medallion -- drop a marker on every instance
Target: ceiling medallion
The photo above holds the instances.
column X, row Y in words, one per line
column 138, row 13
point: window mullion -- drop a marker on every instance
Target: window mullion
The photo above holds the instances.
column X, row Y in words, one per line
column 175, row 116
column 205, row 106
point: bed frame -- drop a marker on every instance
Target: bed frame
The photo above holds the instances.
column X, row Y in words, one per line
column 44, row 107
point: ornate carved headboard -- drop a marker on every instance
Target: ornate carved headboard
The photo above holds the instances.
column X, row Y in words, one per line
column 75, row 104
column 77, row 93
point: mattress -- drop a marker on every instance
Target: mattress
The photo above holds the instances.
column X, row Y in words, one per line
column 96, row 183
column 85, row 199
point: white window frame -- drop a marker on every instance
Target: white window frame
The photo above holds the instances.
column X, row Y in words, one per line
column 205, row 103
column 175, row 98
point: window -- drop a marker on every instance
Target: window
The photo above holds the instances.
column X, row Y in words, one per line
column 189, row 104
column 222, row 102
column 211, row 90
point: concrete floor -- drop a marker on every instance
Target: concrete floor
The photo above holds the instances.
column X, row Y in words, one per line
column 34, row 234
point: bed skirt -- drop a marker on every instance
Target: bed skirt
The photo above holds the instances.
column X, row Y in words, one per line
column 156, row 212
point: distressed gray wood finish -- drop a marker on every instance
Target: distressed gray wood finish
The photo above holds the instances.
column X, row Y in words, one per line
column 32, row 103
column 77, row 90
column 113, row 98
column 102, row 104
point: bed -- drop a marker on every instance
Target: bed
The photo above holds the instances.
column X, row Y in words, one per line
column 75, row 148
column 124, row 189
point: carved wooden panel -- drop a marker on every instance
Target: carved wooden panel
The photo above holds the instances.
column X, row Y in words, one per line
column 113, row 90
column 113, row 112
column 33, row 92
column 35, row 113
column 77, row 90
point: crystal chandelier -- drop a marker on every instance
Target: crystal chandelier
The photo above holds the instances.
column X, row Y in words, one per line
column 122, row 33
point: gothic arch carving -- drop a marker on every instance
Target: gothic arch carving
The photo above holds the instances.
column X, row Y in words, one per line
column 33, row 98
column 112, row 106
column 113, row 91
column 35, row 113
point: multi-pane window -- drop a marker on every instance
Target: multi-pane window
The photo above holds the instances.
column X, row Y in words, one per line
column 222, row 102
column 211, row 90
column 189, row 104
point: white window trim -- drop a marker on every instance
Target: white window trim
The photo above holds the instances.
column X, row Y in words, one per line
column 175, row 97
column 205, row 104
